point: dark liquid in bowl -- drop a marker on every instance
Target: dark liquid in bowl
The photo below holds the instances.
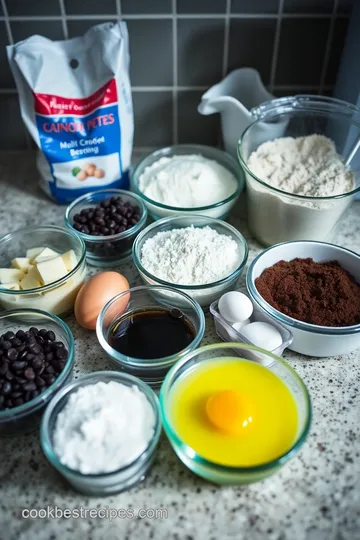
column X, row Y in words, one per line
column 154, row 333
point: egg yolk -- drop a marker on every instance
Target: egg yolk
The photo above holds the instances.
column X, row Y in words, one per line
column 228, row 411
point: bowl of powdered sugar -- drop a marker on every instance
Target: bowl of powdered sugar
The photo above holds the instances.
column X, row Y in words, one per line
column 300, row 184
column 201, row 256
column 184, row 179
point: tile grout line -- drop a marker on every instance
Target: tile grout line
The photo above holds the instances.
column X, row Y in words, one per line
column 63, row 19
column 118, row 8
column 328, row 47
column 6, row 19
column 175, row 134
column 196, row 88
column 276, row 46
column 89, row 17
column 226, row 38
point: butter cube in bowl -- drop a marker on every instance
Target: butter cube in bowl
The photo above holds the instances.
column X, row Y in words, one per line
column 41, row 267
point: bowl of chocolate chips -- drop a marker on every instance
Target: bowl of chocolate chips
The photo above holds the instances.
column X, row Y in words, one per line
column 36, row 360
column 108, row 221
column 313, row 288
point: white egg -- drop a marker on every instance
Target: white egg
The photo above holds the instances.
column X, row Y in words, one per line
column 235, row 306
column 262, row 335
column 239, row 325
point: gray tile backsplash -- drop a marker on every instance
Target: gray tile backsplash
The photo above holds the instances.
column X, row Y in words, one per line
column 12, row 132
column 201, row 6
column 337, row 45
column 181, row 47
column 301, row 51
column 193, row 127
column 198, row 41
column 151, row 49
column 50, row 29
column 33, row 7
column 90, row 7
column 6, row 77
column 153, row 118
column 257, row 6
column 308, row 6
column 251, row 43
column 145, row 7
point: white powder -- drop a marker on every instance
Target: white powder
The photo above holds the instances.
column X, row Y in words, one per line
column 307, row 166
column 187, row 181
column 103, row 427
column 190, row 256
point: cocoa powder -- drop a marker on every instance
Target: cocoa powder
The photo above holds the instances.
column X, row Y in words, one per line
column 318, row 293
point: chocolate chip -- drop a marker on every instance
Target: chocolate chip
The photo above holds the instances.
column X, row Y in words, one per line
column 50, row 335
column 12, row 354
column 29, row 373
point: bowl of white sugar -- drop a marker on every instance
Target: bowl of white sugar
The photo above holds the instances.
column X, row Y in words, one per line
column 300, row 183
column 184, row 179
column 201, row 256
column 101, row 431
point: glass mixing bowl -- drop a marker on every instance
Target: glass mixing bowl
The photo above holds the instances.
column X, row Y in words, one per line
column 105, row 483
column 218, row 210
column 57, row 297
column 209, row 292
column 221, row 474
column 147, row 298
column 111, row 250
column 277, row 216
column 25, row 418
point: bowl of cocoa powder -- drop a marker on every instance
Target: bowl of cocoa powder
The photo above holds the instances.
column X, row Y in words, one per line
column 313, row 288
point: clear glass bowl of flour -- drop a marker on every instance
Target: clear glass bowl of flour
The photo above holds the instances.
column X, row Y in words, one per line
column 223, row 185
column 206, row 292
column 275, row 215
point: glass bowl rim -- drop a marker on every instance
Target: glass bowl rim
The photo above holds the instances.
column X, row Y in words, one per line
column 58, row 282
column 162, row 152
column 240, row 240
column 45, row 439
column 277, row 190
column 21, row 409
column 110, row 237
column 290, row 321
column 216, row 467
column 154, row 362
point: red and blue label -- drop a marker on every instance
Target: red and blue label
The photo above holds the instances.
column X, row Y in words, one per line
column 81, row 140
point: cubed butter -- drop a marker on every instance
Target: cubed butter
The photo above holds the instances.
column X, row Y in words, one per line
column 34, row 252
column 21, row 263
column 51, row 269
column 69, row 259
column 10, row 275
column 32, row 279
column 46, row 253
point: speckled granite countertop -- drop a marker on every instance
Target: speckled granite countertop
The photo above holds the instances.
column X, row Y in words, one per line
column 316, row 496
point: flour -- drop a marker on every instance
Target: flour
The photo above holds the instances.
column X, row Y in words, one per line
column 190, row 256
column 103, row 427
column 308, row 166
column 187, row 181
